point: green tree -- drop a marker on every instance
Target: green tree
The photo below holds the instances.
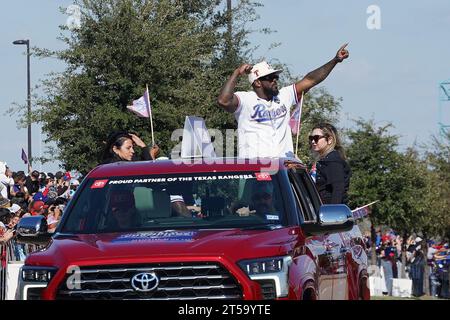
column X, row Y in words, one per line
column 319, row 106
column 430, row 195
column 379, row 172
column 372, row 157
column 431, row 198
column 414, row 199
column 438, row 161
column 413, row 191
column 173, row 46
column 181, row 49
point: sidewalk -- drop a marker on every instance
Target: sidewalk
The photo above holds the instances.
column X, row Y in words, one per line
column 425, row 297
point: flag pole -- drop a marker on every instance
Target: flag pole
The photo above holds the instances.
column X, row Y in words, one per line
column 298, row 124
column 150, row 113
column 366, row 205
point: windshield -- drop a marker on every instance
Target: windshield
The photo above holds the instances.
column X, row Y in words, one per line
column 186, row 201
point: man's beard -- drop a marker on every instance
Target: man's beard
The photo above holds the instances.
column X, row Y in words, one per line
column 271, row 92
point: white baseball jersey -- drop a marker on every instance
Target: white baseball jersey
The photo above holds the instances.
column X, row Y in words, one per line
column 263, row 126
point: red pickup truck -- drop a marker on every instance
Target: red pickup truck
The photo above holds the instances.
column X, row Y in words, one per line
column 173, row 229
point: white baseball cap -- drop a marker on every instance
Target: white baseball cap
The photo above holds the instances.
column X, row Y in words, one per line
column 14, row 208
column 261, row 69
column 418, row 239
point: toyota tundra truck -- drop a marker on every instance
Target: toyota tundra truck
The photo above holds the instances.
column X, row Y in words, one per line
column 173, row 229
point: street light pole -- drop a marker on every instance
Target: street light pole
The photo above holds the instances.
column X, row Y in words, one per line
column 27, row 43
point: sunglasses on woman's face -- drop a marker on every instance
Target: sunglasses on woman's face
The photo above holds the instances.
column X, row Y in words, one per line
column 315, row 138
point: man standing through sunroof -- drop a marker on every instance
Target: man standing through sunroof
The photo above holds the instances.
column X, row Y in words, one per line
column 263, row 114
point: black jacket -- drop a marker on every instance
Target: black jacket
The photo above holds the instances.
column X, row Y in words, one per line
column 333, row 178
column 145, row 155
column 32, row 185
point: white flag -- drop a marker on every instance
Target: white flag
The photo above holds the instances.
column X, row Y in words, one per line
column 141, row 106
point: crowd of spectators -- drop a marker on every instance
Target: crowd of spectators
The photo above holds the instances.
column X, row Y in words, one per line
column 419, row 256
column 33, row 193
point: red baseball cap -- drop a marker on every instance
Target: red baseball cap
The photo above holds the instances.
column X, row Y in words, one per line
column 37, row 207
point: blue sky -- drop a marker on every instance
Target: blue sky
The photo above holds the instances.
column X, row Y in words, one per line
column 392, row 74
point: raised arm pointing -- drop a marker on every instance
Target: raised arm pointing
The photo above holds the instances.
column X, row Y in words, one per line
column 315, row 77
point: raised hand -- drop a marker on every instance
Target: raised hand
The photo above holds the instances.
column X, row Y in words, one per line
column 154, row 152
column 342, row 53
column 245, row 69
column 137, row 140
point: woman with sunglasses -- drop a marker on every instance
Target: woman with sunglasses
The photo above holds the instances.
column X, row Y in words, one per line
column 333, row 172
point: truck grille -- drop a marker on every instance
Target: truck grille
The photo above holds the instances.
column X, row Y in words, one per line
column 181, row 281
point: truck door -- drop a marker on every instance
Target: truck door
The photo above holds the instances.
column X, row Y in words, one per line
column 308, row 209
column 329, row 250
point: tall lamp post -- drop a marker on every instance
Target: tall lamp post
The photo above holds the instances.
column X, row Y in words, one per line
column 27, row 43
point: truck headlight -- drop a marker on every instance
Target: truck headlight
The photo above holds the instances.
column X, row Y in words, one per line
column 274, row 268
column 260, row 266
column 37, row 274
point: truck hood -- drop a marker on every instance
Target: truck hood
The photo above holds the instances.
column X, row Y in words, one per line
column 165, row 245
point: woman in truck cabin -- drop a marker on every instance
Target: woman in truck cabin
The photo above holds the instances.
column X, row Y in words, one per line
column 333, row 172
column 120, row 147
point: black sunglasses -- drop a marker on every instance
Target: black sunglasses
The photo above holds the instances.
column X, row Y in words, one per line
column 270, row 77
column 316, row 138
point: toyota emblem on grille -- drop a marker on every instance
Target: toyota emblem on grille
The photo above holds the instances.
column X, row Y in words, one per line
column 144, row 282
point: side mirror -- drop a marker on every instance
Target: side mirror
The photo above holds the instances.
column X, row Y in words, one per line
column 33, row 230
column 332, row 218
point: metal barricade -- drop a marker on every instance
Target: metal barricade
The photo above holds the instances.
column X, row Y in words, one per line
column 3, row 264
column 5, row 256
column 9, row 252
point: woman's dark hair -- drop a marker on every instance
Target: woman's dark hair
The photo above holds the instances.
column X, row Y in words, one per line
column 5, row 216
column 115, row 139
column 19, row 176
column 330, row 131
column 20, row 194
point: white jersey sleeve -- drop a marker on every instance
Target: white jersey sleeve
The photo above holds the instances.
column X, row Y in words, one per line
column 241, row 96
column 290, row 94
